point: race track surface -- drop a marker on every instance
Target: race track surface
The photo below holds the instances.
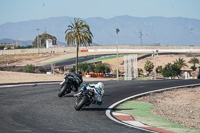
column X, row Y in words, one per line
column 38, row 109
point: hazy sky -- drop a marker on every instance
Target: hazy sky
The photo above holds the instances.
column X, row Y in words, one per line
column 22, row 10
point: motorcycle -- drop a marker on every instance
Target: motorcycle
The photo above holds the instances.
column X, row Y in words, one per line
column 66, row 86
column 84, row 99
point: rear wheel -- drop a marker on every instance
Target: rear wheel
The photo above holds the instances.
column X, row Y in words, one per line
column 80, row 102
column 62, row 90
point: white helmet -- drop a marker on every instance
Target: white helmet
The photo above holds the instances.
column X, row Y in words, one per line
column 100, row 85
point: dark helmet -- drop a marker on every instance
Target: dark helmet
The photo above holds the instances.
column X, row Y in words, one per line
column 79, row 73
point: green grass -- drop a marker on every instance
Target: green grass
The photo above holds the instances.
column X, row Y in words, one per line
column 110, row 57
column 96, row 59
column 105, row 58
column 141, row 112
column 143, row 78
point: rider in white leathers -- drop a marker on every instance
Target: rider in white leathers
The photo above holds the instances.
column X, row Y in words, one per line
column 98, row 90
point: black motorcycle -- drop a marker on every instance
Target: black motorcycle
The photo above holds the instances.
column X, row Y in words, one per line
column 84, row 99
column 67, row 85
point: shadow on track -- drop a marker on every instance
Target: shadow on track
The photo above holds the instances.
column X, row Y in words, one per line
column 102, row 109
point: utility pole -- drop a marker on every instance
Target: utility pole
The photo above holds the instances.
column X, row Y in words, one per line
column 140, row 37
column 191, row 30
column 117, row 31
column 38, row 39
column 155, row 54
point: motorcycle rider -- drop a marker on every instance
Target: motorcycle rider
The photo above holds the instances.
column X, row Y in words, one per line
column 97, row 89
column 78, row 80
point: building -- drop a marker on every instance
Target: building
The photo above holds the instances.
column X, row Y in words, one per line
column 49, row 43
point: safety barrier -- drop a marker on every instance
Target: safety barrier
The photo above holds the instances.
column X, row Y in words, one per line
column 93, row 75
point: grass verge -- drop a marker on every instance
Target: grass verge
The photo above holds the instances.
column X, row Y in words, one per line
column 142, row 112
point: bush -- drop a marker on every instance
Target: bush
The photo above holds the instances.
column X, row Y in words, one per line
column 140, row 71
column 2, row 69
column 102, row 68
column 29, row 68
column 171, row 70
column 85, row 68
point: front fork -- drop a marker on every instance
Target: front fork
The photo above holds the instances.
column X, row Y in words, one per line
column 62, row 83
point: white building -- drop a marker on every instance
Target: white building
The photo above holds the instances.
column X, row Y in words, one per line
column 49, row 43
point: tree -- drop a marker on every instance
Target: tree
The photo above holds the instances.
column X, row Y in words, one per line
column 85, row 67
column 171, row 70
column 102, row 68
column 180, row 62
column 149, row 66
column 42, row 39
column 194, row 61
column 78, row 33
column 159, row 69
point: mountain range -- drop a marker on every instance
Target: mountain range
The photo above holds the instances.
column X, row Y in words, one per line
column 133, row 30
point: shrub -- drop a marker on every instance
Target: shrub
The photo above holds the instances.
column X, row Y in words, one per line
column 2, row 69
column 29, row 68
column 140, row 71
column 171, row 70
column 102, row 68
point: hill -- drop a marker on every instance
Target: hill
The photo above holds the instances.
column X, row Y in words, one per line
column 166, row 31
column 18, row 42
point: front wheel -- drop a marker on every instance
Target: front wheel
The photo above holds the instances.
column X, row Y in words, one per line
column 80, row 102
column 62, row 90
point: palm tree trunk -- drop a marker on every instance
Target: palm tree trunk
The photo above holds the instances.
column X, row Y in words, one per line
column 77, row 58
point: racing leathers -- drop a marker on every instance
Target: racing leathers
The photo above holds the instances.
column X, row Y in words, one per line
column 98, row 93
column 77, row 80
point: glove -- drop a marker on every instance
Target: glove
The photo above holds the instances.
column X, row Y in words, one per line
column 83, row 88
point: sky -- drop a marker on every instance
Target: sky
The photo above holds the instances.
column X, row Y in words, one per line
column 24, row 10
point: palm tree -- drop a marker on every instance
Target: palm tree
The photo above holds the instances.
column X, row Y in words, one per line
column 194, row 61
column 78, row 33
column 180, row 62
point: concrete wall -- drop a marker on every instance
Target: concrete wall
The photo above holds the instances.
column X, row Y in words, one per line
column 35, row 50
column 122, row 48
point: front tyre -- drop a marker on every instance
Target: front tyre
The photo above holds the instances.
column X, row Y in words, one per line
column 62, row 90
column 80, row 103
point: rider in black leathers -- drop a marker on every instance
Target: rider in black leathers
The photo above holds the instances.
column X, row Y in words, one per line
column 78, row 80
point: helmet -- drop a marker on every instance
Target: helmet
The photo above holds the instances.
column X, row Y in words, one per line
column 79, row 73
column 100, row 85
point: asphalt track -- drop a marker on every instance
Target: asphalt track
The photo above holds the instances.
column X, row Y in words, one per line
column 90, row 57
column 81, row 59
column 37, row 108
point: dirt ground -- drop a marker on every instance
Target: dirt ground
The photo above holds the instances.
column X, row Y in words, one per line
column 161, row 60
column 19, row 77
column 181, row 106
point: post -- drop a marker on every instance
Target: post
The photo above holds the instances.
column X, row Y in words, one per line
column 155, row 54
column 117, row 31
column 191, row 30
column 198, row 77
column 38, row 39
